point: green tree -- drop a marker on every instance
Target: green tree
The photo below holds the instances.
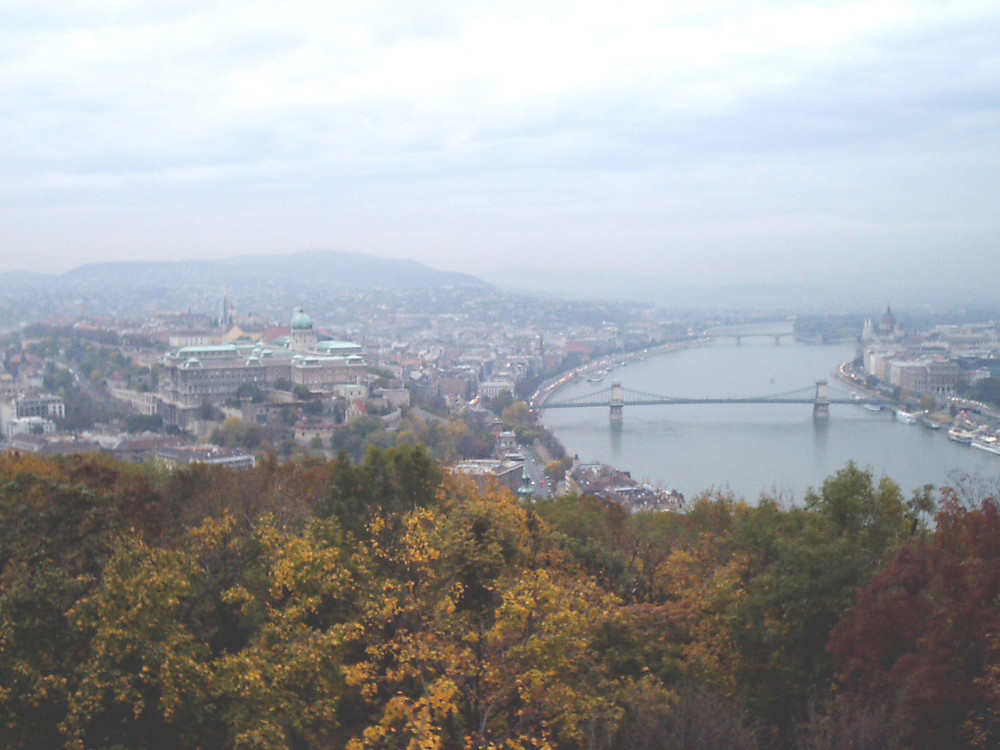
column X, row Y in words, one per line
column 986, row 390
column 206, row 411
column 500, row 402
column 874, row 515
column 387, row 482
column 355, row 438
column 555, row 470
column 143, row 422
column 234, row 432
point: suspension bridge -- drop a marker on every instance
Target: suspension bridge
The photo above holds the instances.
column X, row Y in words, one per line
column 616, row 398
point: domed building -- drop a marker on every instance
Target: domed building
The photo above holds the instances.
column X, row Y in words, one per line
column 300, row 320
column 302, row 335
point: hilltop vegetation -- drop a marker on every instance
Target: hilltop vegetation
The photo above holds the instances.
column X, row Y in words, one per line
column 386, row 604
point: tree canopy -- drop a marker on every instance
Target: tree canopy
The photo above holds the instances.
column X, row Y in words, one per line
column 389, row 604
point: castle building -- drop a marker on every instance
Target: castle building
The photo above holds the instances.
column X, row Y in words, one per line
column 193, row 375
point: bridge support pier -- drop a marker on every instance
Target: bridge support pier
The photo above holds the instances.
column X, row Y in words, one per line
column 617, row 403
column 821, row 403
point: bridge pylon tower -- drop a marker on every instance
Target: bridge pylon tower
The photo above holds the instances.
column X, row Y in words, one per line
column 821, row 402
column 617, row 402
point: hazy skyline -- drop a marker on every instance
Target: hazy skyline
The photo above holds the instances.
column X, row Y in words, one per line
column 704, row 141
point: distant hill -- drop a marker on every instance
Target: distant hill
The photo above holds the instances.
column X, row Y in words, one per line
column 269, row 285
column 326, row 267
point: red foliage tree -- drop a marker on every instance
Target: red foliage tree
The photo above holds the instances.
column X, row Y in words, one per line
column 920, row 641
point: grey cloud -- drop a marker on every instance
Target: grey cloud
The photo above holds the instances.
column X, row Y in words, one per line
column 888, row 150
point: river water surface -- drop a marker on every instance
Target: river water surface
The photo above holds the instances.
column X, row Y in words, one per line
column 753, row 449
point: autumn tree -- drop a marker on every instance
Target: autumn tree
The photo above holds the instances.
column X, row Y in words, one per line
column 921, row 640
column 386, row 603
column 763, row 587
column 60, row 522
column 233, row 639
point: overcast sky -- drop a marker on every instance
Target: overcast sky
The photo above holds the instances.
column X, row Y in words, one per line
column 696, row 140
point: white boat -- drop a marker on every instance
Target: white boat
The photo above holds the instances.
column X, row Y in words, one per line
column 961, row 434
column 988, row 443
column 906, row 417
column 873, row 407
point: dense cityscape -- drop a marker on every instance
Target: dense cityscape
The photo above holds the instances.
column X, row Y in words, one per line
column 462, row 369
column 451, row 367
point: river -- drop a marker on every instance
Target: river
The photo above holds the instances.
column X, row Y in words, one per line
column 752, row 449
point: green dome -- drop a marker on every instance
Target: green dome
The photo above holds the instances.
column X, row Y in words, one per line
column 301, row 321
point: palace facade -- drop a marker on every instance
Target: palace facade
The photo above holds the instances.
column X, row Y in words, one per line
column 193, row 375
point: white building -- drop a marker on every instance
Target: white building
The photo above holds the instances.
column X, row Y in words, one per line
column 493, row 388
column 181, row 456
column 140, row 402
column 28, row 426
column 31, row 415
column 937, row 376
column 43, row 405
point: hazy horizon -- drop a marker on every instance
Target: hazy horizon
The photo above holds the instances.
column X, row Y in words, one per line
column 717, row 143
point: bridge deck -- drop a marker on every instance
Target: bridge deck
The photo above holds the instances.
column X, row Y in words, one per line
column 684, row 401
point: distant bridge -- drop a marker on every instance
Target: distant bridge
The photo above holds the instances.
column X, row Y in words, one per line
column 738, row 337
column 616, row 398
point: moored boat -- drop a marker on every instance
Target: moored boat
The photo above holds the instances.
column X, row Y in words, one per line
column 989, row 443
column 961, row 434
column 927, row 421
column 906, row 417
